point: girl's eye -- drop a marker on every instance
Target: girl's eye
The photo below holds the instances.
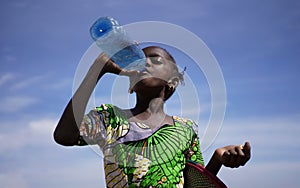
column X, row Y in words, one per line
column 156, row 60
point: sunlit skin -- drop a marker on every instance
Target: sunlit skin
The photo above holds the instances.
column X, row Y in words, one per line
column 153, row 87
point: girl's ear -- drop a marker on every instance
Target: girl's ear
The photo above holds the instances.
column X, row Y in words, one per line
column 170, row 87
column 173, row 83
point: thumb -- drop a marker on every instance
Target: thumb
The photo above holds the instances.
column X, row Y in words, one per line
column 247, row 148
column 247, row 145
column 129, row 72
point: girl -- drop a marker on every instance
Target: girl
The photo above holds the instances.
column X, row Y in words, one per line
column 142, row 146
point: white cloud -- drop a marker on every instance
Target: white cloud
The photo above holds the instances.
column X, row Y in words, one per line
column 44, row 160
column 265, row 135
column 274, row 174
column 16, row 103
column 271, row 138
column 39, row 81
column 266, row 131
column 27, row 83
column 35, row 132
column 9, row 58
column 81, row 173
column 8, row 141
column 275, row 151
column 13, row 180
column 5, row 78
column 42, row 126
column 64, row 167
column 60, row 84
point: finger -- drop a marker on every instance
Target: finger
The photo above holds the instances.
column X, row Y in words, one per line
column 226, row 158
column 247, row 150
column 102, row 58
column 233, row 151
column 226, row 153
column 241, row 158
column 233, row 158
column 124, row 73
column 239, row 151
column 129, row 72
column 247, row 145
column 237, row 157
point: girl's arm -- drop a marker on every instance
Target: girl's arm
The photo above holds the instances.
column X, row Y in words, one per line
column 229, row 156
column 67, row 132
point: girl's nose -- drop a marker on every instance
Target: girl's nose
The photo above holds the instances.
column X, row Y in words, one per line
column 148, row 62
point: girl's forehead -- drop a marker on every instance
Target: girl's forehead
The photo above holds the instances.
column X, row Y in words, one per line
column 155, row 52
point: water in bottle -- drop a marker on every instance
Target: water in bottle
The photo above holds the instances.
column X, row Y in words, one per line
column 117, row 45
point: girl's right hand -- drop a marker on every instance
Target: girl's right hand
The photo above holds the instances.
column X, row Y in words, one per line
column 108, row 66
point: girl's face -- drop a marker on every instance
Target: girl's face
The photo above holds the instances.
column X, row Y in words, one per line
column 158, row 71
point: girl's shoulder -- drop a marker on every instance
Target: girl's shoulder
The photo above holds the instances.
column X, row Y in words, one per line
column 186, row 122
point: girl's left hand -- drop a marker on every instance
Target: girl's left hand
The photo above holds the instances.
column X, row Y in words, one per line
column 234, row 156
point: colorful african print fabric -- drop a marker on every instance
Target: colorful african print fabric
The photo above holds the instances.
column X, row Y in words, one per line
column 137, row 156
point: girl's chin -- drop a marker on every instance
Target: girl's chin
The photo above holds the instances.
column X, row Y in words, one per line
column 149, row 83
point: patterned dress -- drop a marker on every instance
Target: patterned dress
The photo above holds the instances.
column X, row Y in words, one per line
column 137, row 156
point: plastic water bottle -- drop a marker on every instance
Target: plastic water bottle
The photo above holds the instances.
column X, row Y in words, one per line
column 117, row 45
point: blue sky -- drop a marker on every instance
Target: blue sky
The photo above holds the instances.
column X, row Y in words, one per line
column 255, row 42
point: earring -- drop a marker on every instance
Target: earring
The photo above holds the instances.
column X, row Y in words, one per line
column 172, row 88
column 130, row 90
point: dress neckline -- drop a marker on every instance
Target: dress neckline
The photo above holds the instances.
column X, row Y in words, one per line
column 145, row 126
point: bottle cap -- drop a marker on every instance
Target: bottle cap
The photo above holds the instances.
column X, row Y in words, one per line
column 102, row 27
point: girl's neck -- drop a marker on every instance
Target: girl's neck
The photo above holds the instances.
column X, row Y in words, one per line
column 149, row 106
column 152, row 115
column 149, row 109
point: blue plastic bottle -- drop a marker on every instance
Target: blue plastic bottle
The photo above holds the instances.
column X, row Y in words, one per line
column 116, row 44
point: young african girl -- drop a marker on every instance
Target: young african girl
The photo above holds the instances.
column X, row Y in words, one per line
column 142, row 146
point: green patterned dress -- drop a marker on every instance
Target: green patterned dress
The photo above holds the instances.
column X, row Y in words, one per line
column 137, row 156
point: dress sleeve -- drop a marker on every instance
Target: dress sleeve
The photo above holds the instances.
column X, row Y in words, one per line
column 194, row 153
column 92, row 129
column 114, row 121
column 103, row 126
